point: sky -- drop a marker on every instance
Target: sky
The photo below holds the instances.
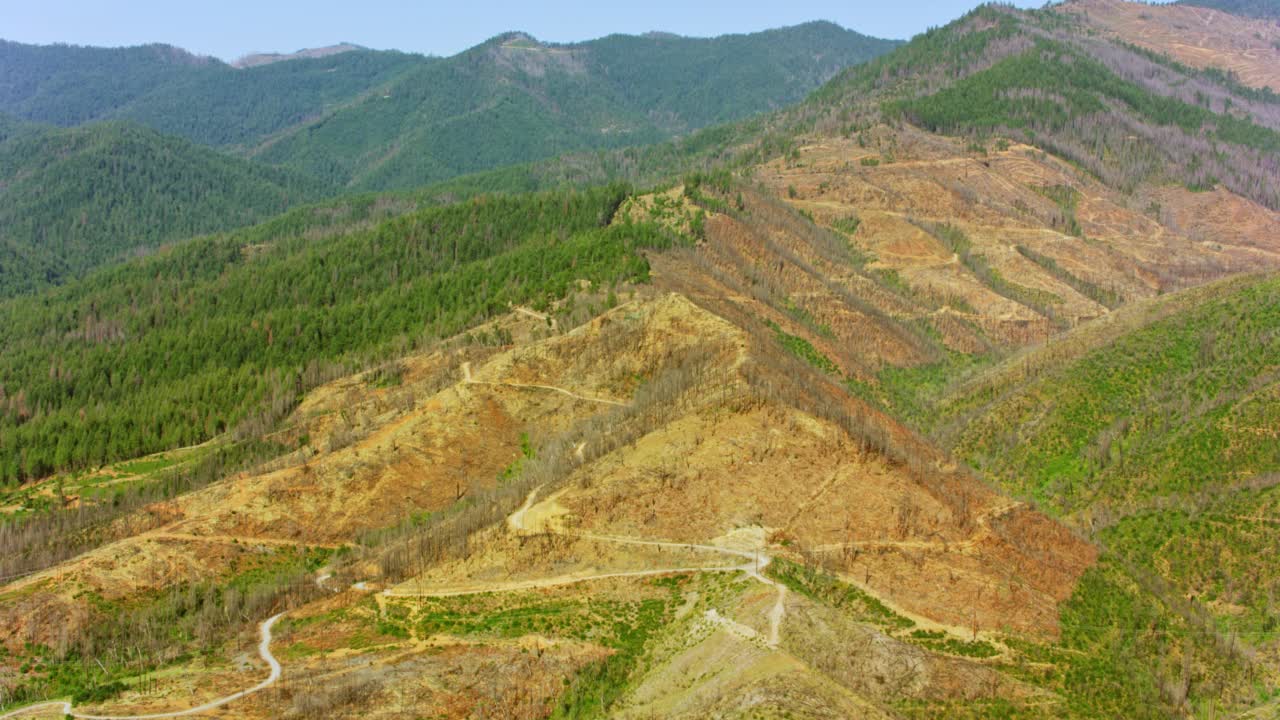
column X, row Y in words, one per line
column 231, row 28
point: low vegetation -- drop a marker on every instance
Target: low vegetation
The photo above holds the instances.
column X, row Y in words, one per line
column 1174, row 407
column 803, row 349
column 1152, row 433
column 247, row 322
column 125, row 641
column 818, row 585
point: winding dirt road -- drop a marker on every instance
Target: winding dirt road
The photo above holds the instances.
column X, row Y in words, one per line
column 756, row 561
column 264, row 650
column 264, row 647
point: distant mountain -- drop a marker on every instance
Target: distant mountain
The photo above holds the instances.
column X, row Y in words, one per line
column 68, row 85
column 72, row 199
column 238, row 109
column 258, row 59
column 963, row 366
column 11, row 126
column 371, row 119
column 1265, row 9
column 514, row 99
column 170, row 90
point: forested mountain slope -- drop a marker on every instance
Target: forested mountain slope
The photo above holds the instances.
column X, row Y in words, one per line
column 766, row 332
column 373, row 461
column 174, row 92
column 237, row 319
column 69, row 85
column 73, row 199
column 514, row 99
column 385, row 119
column 1155, row 434
column 80, row 197
column 949, row 392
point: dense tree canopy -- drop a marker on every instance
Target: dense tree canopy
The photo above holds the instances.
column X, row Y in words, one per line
column 170, row 90
column 183, row 345
column 73, row 199
column 379, row 120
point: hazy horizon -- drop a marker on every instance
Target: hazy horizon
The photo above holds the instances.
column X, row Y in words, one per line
column 236, row 28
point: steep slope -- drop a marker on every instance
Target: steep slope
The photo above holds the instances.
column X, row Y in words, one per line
column 244, row 318
column 1140, row 122
column 1053, row 205
column 1104, row 439
column 695, row 457
column 631, row 505
column 514, row 99
column 1155, row 432
column 1248, row 49
column 71, row 200
column 1017, row 242
column 1265, row 9
column 1042, row 77
column 617, row 422
column 638, row 501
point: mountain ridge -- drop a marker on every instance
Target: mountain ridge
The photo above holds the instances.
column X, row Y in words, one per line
column 949, row 392
column 615, row 91
column 255, row 59
column 281, row 111
column 364, row 120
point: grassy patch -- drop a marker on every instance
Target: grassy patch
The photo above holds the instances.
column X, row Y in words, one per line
column 598, row 686
column 912, row 392
column 826, row 589
column 1184, row 403
column 297, row 651
column 804, row 317
column 954, row 239
column 803, row 349
column 941, row 642
column 1066, row 198
column 847, row 225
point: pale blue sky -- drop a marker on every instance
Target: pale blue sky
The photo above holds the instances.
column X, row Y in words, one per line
column 231, row 28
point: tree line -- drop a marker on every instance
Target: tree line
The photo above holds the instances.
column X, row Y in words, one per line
column 185, row 345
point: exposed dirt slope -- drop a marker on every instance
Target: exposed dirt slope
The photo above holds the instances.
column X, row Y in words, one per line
column 733, row 477
column 374, row 457
column 1197, row 36
column 1062, row 246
